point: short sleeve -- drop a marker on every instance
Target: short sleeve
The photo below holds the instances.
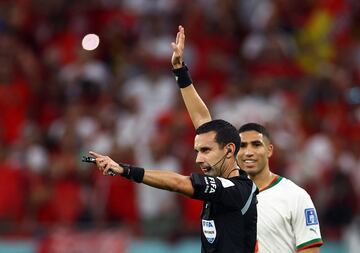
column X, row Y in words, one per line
column 230, row 193
column 305, row 223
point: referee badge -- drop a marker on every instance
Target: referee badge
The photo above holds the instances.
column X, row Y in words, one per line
column 209, row 230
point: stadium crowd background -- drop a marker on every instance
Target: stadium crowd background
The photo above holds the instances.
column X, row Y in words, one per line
column 291, row 65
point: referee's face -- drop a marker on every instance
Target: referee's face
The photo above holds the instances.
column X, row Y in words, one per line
column 255, row 151
column 210, row 157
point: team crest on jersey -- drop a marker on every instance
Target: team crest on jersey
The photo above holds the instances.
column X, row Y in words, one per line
column 209, row 230
column 311, row 217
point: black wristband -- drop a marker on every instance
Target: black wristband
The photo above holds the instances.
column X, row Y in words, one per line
column 132, row 172
column 182, row 76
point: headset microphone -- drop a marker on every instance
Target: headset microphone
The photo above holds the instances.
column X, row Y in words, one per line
column 221, row 159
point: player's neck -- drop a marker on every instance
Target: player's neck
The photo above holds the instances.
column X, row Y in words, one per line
column 263, row 179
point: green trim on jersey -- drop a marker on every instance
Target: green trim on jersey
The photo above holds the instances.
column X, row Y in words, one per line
column 273, row 183
column 313, row 242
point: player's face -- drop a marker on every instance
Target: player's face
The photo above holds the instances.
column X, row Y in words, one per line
column 255, row 151
column 209, row 153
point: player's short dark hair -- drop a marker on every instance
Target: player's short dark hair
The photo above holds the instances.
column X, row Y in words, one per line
column 225, row 133
column 255, row 127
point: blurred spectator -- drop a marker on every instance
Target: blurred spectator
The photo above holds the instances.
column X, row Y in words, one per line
column 12, row 193
column 153, row 91
column 15, row 90
column 84, row 78
column 339, row 192
column 159, row 211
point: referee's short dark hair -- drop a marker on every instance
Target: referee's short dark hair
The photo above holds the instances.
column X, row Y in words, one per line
column 255, row 127
column 225, row 133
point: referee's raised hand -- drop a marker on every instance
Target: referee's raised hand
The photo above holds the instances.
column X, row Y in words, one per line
column 106, row 164
column 178, row 48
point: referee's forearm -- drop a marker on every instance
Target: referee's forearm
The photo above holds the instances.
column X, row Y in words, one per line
column 195, row 106
column 170, row 181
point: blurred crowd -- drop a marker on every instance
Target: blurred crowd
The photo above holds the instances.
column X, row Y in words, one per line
column 291, row 65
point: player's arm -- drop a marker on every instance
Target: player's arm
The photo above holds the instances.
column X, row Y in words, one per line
column 305, row 224
column 196, row 107
column 311, row 250
column 166, row 180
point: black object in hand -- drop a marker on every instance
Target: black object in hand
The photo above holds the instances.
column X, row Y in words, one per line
column 89, row 159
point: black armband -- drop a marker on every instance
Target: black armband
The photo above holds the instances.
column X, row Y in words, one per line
column 132, row 172
column 182, row 76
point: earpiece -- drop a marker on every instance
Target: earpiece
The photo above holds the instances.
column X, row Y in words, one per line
column 228, row 151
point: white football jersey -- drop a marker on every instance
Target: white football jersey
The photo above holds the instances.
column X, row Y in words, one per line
column 287, row 219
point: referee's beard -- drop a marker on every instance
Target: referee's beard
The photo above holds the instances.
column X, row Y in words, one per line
column 210, row 171
column 215, row 170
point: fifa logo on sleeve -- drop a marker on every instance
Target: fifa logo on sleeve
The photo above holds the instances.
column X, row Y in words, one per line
column 311, row 217
column 210, row 185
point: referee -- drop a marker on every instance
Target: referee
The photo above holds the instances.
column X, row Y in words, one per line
column 229, row 215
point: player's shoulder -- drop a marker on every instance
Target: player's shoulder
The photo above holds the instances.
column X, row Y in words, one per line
column 292, row 188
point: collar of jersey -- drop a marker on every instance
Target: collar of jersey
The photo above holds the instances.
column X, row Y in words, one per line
column 273, row 182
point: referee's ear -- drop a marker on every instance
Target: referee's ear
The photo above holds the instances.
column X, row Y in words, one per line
column 230, row 150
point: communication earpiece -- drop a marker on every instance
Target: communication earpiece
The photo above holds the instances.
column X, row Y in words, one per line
column 228, row 151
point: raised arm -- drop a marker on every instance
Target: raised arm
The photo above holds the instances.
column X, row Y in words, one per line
column 166, row 180
column 195, row 106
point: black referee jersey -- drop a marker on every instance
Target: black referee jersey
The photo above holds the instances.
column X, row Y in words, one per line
column 229, row 215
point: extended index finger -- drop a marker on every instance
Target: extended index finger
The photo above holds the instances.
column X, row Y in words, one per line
column 95, row 154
